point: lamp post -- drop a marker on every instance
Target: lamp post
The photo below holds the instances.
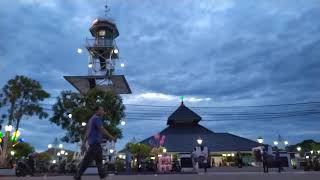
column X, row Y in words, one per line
column 260, row 140
column 199, row 141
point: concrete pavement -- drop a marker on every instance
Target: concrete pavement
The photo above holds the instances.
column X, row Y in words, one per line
column 208, row 176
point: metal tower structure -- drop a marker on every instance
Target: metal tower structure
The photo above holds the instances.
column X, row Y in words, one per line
column 103, row 55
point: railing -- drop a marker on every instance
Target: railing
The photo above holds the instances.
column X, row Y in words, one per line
column 100, row 42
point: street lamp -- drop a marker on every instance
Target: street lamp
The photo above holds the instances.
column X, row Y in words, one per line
column 12, row 153
column 58, row 154
column 123, row 123
column 199, row 141
column 116, row 51
column 79, row 50
column 311, row 152
column 164, row 150
column 275, row 143
column 62, row 152
column 260, row 140
column 286, row 143
column 70, row 115
column 122, row 65
column 8, row 128
column 111, row 151
column 54, row 161
column 49, row 146
column 299, row 148
column 60, row 146
column 83, row 123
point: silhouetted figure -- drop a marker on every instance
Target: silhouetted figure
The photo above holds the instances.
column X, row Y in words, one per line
column 30, row 163
column 278, row 160
column 265, row 161
column 239, row 159
column 128, row 160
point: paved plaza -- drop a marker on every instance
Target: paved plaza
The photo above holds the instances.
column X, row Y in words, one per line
column 209, row 176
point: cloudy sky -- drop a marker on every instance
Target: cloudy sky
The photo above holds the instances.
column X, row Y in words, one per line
column 222, row 54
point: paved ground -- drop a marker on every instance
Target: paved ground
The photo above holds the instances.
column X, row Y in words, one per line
column 209, row 176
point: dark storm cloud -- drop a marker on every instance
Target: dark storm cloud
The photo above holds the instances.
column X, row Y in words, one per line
column 234, row 52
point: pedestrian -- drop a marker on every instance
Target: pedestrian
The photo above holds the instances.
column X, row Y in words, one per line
column 265, row 161
column 278, row 160
column 128, row 160
column 93, row 137
column 30, row 163
column 239, row 159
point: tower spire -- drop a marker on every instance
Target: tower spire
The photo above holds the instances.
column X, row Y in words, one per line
column 106, row 9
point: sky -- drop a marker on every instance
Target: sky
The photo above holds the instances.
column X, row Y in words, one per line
column 223, row 54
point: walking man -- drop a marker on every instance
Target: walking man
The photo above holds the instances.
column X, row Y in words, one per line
column 93, row 136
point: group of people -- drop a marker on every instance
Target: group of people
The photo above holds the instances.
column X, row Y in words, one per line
column 200, row 158
column 267, row 159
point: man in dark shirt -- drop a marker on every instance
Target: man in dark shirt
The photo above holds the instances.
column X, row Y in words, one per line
column 94, row 133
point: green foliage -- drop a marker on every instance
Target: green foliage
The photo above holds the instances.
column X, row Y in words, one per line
column 139, row 149
column 44, row 156
column 23, row 150
column 22, row 95
column 81, row 107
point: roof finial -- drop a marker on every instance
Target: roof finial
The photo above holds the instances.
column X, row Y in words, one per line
column 181, row 97
column 107, row 9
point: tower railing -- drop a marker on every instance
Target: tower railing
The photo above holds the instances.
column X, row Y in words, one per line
column 100, row 42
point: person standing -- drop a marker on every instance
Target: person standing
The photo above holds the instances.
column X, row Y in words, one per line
column 239, row 159
column 93, row 136
column 278, row 160
column 128, row 160
column 265, row 161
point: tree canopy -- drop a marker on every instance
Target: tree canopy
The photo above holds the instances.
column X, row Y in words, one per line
column 22, row 96
column 72, row 109
column 23, row 149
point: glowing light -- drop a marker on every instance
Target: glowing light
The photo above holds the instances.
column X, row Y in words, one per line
column 83, row 124
column 311, row 152
column 111, row 151
column 153, row 158
column 116, row 51
column 12, row 153
column 60, row 146
column 49, row 146
column 275, row 143
column 0, row 140
column 123, row 123
column 286, row 142
column 66, row 153
column 159, row 155
column 70, row 115
column 79, row 50
column 8, row 128
column 299, row 148
column 199, row 141
column 224, row 155
column 164, row 150
column 1, row 135
column 90, row 65
column 62, row 152
column 260, row 140
column 122, row 65
column 307, row 157
column 232, row 154
column 16, row 134
column 58, row 154
column 54, row 161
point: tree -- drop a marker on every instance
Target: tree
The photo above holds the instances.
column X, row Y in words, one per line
column 22, row 150
column 72, row 109
column 22, row 96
